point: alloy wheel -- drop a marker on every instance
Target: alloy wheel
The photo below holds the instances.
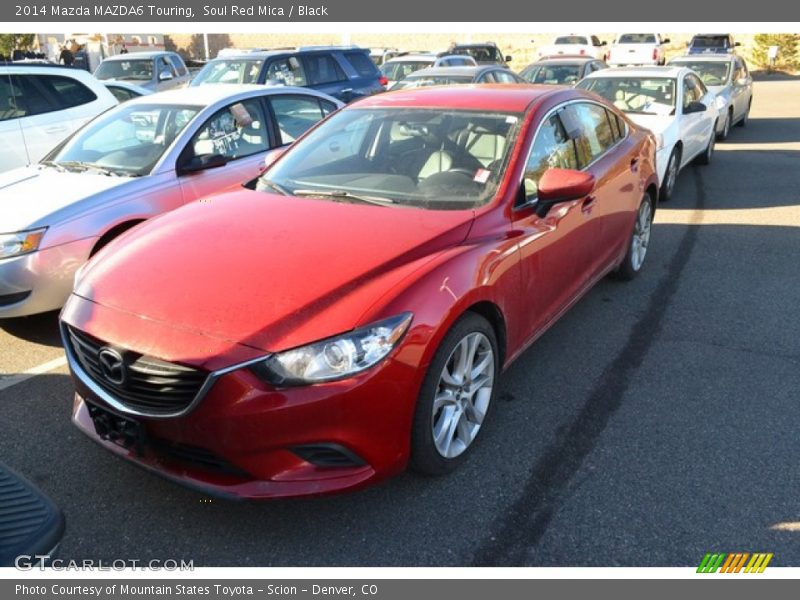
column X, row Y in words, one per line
column 641, row 236
column 463, row 395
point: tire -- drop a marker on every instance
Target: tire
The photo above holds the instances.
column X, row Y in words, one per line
column 746, row 116
column 670, row 175
column 445, row 404
column 704, row 158
column 640, row 239
column 722, row 136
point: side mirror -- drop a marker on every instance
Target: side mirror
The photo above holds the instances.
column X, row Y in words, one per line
column 604, row 43
column 666, row 41
column 694, row 107
column 509, row 58
column 164, row 76
column 203, row 162
column 271, row 156
column 562, row 185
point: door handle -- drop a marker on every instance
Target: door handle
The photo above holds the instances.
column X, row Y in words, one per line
column 588, row 203
column 634, row 164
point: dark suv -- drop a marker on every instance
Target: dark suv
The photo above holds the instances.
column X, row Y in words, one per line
column 486, row 53
column 344, row 72
column 712, row 43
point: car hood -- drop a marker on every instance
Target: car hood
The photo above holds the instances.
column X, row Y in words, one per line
column 655, row 123
column 266, row 271
column 31, row 196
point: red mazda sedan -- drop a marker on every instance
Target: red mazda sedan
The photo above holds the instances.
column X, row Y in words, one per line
column 349, row 314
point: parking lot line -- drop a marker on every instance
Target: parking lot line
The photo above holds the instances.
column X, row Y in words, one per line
column 7, row 382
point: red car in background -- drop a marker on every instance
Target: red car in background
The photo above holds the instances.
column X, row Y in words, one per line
column 350, row 315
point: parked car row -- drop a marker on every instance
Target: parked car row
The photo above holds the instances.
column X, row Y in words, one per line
column 272, row 293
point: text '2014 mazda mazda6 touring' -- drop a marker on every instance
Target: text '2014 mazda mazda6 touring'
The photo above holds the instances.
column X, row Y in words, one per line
column 348, row 314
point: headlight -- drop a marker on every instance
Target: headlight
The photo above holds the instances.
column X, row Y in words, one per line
column 337, row 357
column 22, row 242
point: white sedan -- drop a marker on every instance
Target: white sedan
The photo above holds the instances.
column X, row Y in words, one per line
column 670, row 101
column 143, row 158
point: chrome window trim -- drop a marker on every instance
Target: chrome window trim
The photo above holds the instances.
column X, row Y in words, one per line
column 557, row 108
column 80, row 373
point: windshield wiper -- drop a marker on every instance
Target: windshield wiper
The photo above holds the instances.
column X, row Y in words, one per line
column 344, row 194
column 274, row 186
column 88, row 167
column 53, row 165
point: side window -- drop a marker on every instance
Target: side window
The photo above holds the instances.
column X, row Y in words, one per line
column 12, row 101
column 288, row 71
column 121, row 94
column 597, row 136
column 46, row 93
column 361, row 63
column 164, row 66
column 498, row 56
column 503, row 77
column 323, row 68
column 236, row 131
column 295, row 115
column 552, row 148
column 177, row 64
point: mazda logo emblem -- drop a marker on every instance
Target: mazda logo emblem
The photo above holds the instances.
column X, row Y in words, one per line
column 111, row 365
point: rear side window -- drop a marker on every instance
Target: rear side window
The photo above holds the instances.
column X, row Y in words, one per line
column 323, row 68
column 295, row 115
column 39, row 94
column 361, row 63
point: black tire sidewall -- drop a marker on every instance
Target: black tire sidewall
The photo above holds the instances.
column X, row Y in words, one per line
column 424, row 457
column 665, row 194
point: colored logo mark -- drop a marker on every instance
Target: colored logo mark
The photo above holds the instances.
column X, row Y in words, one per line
column 734, row 563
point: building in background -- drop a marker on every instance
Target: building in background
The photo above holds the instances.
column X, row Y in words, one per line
column 91, row 48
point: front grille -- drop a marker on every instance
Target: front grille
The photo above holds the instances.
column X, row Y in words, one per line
column 150, row 386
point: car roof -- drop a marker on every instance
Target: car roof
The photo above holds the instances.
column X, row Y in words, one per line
column 417, row 56
column 206, row 95
column 132, row 55
column 269, row 53
column 703, row 58
column 475, row 45
column 564, row 60
column 495, row 97
column 666, row 71
column 467, row 70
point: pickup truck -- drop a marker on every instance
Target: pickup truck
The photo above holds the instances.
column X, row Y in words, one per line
column 637, row 49
column 575, row 45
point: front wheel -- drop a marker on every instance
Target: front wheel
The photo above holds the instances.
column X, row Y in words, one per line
column 455, row 397
column 670, row 175
column 705, row 157
column 639, row 242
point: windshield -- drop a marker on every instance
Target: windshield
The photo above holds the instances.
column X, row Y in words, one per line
column 229, row 71
column 571, row 39
column 710, row 72
column 637, row 38
column 552, row 74
column 136, row 70
column 428, row 80
column 652, row 95
column 436, row 159
column 126, row 141
column 403, row 68
column 481, row 54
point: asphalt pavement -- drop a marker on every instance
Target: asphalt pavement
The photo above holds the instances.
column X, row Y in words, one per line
column 657, row 421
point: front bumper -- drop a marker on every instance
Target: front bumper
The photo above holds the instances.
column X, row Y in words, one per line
column 40, row 281
column 247, row 439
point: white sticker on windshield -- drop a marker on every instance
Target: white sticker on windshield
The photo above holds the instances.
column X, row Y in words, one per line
column 482, row 175
column 510, row 119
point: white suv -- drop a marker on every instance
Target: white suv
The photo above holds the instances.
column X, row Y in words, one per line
column 40, row 105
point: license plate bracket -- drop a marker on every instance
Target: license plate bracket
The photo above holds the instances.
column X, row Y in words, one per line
column 115, row 428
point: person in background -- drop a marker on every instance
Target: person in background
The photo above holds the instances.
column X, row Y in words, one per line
column 66, row 56
column 124, row 49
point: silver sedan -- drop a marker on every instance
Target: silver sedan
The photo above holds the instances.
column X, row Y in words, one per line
column 726, row 76
column 138, row 160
